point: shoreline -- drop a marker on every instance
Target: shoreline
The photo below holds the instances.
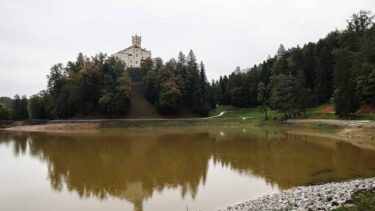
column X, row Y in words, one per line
column 83, row 124
column 360, row 133
column 344, row 129
column 55, row 127
column 327, row 196
column 334, row 122
column 51, row 125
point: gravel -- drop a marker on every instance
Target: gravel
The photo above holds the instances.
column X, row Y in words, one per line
column 317, row 197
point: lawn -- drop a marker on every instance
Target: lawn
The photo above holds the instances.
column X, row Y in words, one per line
column 325, row 111
column 248, row 113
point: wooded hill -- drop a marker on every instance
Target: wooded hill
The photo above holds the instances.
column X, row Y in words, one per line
column 338, row 68
column 101, row 87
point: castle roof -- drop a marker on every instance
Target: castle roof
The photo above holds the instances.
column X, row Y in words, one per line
column 128, row 48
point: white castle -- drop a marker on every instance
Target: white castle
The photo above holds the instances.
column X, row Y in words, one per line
column 133, row 55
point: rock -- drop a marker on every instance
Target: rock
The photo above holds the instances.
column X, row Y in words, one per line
column 318, row 197
column 334, row 203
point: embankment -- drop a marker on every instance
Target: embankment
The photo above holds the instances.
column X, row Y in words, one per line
column 318, row 197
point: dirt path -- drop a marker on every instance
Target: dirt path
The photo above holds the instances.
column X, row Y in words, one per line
column 216, row 116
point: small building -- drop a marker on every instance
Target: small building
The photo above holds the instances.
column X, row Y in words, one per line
column 135, row 54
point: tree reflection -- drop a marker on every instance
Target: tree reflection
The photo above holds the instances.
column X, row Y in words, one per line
column 134, row 165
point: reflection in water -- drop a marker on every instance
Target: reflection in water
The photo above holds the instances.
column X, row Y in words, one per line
column 135, row 165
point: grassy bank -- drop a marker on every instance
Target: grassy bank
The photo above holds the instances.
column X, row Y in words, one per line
column 361, row 200
column 256, row 114
column 154, row 123
column 325, row 111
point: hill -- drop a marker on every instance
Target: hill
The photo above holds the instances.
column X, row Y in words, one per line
column 141, row 108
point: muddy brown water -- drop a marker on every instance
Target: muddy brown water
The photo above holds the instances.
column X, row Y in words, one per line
column 171, row 169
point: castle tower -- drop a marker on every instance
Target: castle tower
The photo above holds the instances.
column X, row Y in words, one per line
column 134, row 55
column 136, row 40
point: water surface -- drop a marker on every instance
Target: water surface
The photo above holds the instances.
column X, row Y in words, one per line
column 152, row 169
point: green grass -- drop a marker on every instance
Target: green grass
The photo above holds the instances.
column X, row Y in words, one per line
column 248, row 113
column 364, row 117
column 161, row 123
column 361, row 201
column 257, row 114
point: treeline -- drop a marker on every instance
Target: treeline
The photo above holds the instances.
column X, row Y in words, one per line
column 101, row 86
column 97, row 86
column 16, row 109
column 177, row 84
column 340, row 67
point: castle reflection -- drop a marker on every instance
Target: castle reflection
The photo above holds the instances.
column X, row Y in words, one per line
column 135, row 165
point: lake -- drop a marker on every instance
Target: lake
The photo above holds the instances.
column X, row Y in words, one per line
column 167, row 169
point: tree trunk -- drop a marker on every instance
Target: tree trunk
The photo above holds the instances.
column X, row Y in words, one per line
column 265, row 113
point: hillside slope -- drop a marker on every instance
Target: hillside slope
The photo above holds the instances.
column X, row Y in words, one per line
column 139, row 105
column 141, row 108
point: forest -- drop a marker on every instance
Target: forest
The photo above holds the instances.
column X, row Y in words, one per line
column 101, row 86
column 178, row 83
column 339, row 68
column 85, row 87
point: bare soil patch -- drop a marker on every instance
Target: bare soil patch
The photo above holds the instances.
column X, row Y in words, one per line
column 63, row 127
column 366, row 109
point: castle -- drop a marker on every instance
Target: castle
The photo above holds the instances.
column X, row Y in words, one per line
column 133, row 55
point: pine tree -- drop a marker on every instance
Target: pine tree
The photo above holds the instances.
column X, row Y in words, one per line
column 283, row 94
column 280, row 51
column 262, row 99
column 366, row 87
column 345, row 98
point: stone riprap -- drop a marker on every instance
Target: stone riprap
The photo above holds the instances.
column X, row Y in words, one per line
column 317, row 197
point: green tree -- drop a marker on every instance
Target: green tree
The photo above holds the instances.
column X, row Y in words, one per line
column 345, row 98
column 366, row 87
column 169, row 98
column 283, row 94
column 37, row 107
column 362, row 21
column 150, row 86
column 303, row 95
column 19, row 108
column 5, row 108
column 4, row 113
column 280, row 51
column 262, row 98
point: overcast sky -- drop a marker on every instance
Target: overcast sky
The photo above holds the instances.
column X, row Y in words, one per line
column 36, row 34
